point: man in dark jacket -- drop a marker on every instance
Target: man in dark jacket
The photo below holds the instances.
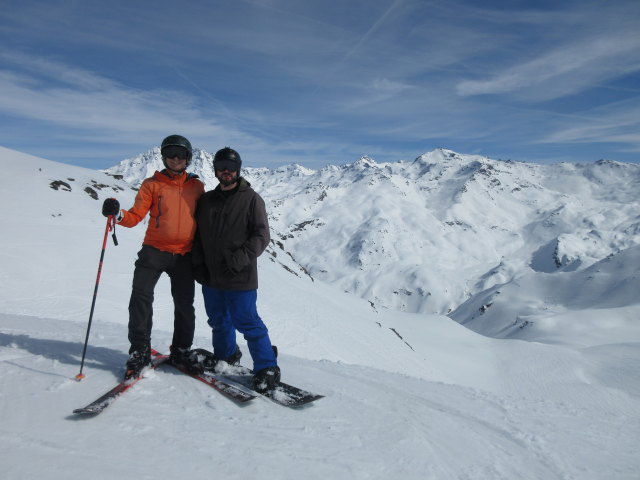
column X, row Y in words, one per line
column 233, row 231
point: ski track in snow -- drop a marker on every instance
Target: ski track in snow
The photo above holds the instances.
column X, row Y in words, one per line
column 372, row 423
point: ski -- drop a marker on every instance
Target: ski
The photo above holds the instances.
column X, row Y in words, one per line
column 283, row 394
column 230, row 391
column 99, row 404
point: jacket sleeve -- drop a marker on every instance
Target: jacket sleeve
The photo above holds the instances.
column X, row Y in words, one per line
column 198, row 262
column 200, row 271
column 141, row 206
column 257, row 240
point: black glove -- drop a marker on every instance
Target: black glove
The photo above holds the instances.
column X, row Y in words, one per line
column 111, row 206
column 201, row 274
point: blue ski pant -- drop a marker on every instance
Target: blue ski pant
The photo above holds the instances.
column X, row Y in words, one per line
column 231, row 310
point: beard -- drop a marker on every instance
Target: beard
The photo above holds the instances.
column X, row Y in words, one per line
column 227, row 179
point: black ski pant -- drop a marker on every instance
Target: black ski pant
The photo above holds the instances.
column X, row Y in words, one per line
column 150, row 265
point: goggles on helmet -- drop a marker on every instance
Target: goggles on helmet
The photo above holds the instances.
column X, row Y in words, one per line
column 229, row 165
column 172, row 151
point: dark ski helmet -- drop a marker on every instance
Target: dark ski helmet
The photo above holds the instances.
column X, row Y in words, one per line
column 177, row 141
column 227, row 158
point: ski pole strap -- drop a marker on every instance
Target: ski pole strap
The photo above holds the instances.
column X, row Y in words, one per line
column 112, row 228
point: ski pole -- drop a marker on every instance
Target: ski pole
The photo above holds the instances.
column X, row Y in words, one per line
column 111, row 226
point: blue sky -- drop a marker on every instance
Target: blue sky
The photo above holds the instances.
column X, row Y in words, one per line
column 322, row 82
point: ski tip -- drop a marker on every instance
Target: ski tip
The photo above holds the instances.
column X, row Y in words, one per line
column 79, row 376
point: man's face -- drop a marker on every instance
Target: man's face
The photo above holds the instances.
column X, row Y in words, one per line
column 226, row 172
column 227, row 177
column 176, row 164
column 175, row 157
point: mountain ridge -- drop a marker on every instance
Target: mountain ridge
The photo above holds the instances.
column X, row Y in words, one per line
column 428, row 235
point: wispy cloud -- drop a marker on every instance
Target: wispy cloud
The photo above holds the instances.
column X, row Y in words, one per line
column 616, row 123
column 317, row 81
column 49, row 91
column 566, row 70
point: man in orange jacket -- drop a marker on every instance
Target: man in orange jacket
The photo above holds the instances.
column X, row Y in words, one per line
column 170, row 198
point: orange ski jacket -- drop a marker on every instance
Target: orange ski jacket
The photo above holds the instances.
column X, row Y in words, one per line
column 171, row 203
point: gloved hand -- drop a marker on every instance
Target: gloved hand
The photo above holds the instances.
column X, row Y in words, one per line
column 111, row 206
column 201, row 274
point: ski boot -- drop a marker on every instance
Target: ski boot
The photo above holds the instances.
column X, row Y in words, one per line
column 186, row 359
column 235, row 358
column 138, row 359
column 211, row 364
column 266, row 379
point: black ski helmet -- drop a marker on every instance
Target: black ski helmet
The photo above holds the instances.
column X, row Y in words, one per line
column 177, row 141
column 228, row 157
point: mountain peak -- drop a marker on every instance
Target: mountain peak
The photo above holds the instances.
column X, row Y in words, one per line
column 364, row 162
column 295, row 170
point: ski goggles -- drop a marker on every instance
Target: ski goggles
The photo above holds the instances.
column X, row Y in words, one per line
column 228, row 165
column 172, row 151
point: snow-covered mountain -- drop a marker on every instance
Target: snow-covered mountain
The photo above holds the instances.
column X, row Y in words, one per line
column 445, row 232
column 412, row 396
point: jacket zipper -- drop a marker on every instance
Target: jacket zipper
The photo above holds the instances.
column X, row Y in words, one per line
column 159, row 211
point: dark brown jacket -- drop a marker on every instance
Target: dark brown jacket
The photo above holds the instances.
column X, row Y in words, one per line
column 233, row 231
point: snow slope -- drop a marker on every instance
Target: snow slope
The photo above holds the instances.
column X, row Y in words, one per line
column 407, row 395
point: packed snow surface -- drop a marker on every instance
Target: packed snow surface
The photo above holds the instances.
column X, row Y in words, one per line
column 534, row 375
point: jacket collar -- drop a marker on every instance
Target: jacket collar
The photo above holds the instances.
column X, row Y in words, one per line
column 168, row 177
